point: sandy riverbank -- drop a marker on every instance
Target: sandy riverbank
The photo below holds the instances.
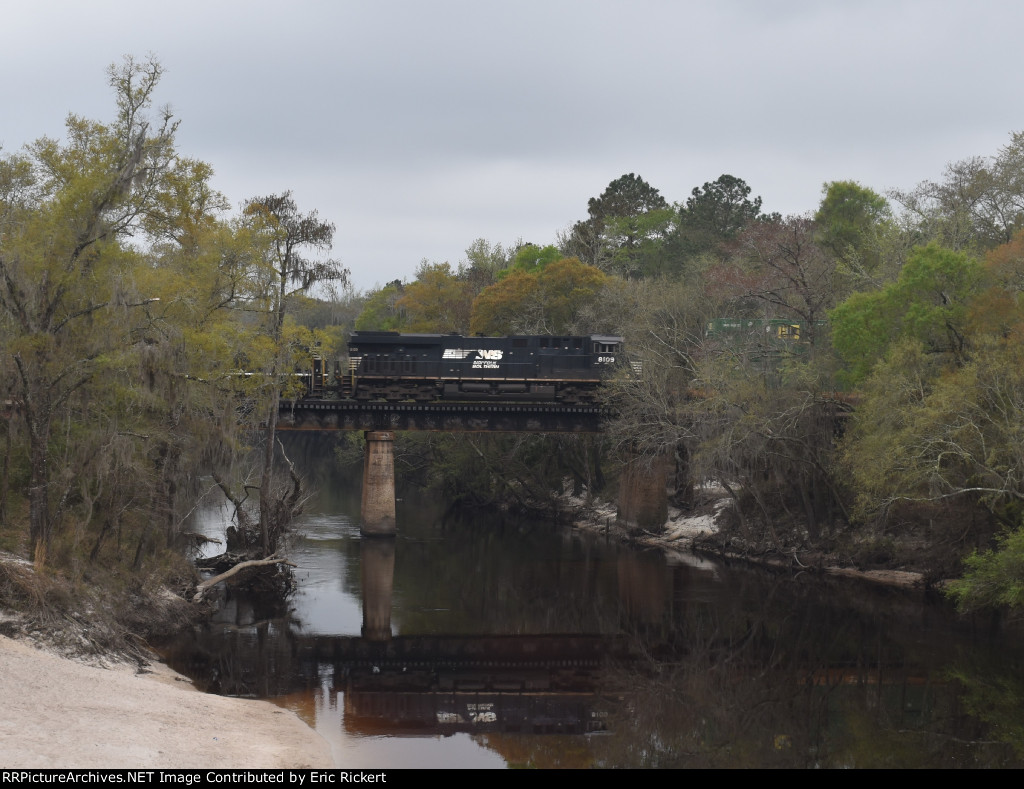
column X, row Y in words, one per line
column 59, row 713
column 676, row 538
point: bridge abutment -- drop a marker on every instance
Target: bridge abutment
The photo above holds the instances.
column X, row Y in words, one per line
column 378, row 507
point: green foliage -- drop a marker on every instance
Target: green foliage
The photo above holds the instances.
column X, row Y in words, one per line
column 484, row 263
column 627, row 195
column 928, row 431
column 935, row 287
column 551, row 301
column 624, row 226
column 531, row 259
column 848, row 217
column 502, row 307
column 862, row 331
column 130, row 307
column 993, row 578
column 878, row 447
column 438, row 301
column 381, row 311
column 928, row 303
column 119, row 281
column 636, row 244
column 68, row 295
column 564, row 289
column 714, row 214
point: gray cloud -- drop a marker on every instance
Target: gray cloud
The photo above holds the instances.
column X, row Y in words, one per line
column 417, row 127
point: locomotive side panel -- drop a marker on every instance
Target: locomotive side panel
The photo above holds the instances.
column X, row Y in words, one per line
column 392, row 366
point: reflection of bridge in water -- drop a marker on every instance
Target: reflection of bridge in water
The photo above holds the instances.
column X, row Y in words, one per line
column 547, row 683
column 663, row 657
column 437, row 684
column 530, row 684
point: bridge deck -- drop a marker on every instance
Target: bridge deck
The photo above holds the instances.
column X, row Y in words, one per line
column 503, row 417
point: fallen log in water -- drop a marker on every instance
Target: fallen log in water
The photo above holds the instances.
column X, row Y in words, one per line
column 209, row 583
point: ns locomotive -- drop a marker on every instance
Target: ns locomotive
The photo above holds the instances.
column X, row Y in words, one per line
column 430, row 367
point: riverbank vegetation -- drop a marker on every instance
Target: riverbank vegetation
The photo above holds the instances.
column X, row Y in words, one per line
column 145, row 337
column 850, row 376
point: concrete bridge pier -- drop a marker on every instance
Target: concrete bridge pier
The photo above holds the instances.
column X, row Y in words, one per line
column 378, row 509
column 643, row 500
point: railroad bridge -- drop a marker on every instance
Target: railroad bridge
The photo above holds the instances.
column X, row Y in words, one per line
column 642, row 498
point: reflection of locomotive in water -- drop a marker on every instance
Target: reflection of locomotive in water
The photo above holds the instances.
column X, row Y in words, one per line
column 429, row 367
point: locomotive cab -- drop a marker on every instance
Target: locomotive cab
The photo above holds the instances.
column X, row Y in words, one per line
column 605, row 349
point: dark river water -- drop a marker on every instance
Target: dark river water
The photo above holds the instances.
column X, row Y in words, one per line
column 475, row 641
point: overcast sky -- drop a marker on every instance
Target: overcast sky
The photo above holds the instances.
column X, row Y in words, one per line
column 417, row 127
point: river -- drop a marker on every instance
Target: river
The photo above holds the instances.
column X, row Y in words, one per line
column 479, row 641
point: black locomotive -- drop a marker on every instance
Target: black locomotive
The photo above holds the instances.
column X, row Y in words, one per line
column 429, row 367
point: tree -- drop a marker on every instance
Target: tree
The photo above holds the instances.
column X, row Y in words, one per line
column 978, row 204
column 284, row 270
column 565, row 289
column 936, row 355
column 484, row 263
column 1005, row 265
column 504, row 307
column 625, row 225
column 532, row 259
column 627, row 195
column 928, row 303
column 999, row 309
column 994, row 578
column 551, row 301
column 637, row 244
column 381, row 311
column 663, row 324
column 66, row 297
column 850, row 221
column 760, row 415
column 792, row 276
column 715, row 214
column 439, row 300
column 941, row 439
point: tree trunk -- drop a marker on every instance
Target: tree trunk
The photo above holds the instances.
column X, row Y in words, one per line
column 39, row 489
column 268, row 529
column 5, row 474
column 206, row 585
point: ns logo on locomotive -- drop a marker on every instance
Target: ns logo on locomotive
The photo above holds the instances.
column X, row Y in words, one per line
column 430, row 367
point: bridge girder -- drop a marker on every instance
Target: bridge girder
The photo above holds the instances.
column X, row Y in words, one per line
column 441, row 417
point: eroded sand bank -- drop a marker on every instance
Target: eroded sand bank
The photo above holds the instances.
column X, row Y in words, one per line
column 58, row 713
